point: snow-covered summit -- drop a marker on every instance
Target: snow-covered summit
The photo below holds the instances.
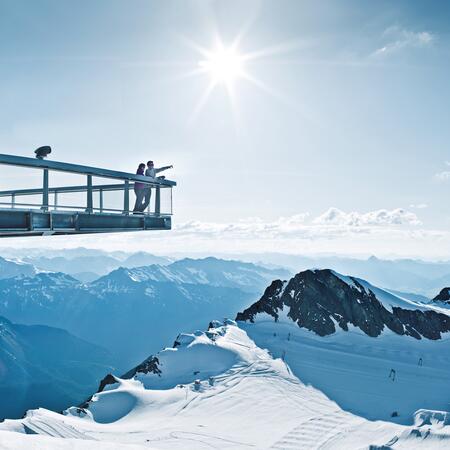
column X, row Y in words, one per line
column 215, row 389
column 324, row 301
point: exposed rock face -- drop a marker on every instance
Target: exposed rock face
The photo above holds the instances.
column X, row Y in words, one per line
column 318, row 300
column 109, row 379
column 150, row 365
column 443, row 296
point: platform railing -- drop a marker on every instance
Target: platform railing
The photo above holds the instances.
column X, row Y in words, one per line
column 127, row 182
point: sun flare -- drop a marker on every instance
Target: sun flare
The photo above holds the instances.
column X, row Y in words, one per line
column 224, row 65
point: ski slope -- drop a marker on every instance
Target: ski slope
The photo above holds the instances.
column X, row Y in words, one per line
column 218, row 390
column 384, row 378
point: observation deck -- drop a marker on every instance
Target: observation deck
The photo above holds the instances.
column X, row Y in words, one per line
column 82, row 208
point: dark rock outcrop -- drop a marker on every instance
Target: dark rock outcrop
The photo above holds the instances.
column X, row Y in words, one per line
column 150, row 365
column 109, row 379
column 443, row 296
column 318, row 300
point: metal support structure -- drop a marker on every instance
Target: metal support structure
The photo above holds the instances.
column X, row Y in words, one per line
column 20, row 217
column 45, row 191
column 89, row 198
column 157, row 201
column 126, row 197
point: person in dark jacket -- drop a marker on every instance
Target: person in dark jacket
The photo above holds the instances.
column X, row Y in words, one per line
column 140, row 190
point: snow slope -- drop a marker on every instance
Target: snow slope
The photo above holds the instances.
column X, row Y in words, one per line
column 372, row 377
column 241, row 398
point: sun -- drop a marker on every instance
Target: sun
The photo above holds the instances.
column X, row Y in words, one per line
column 224, row 65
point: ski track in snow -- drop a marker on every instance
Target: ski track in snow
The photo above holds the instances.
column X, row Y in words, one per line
column 254, row 403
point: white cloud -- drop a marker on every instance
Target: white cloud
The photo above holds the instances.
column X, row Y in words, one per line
column 250, row 227
column 418, row 205
column 397, row 39
column 444, row 175
column 331, row 224
column 382, row 217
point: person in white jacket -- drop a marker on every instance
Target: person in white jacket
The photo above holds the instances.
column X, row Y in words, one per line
column 151, row 172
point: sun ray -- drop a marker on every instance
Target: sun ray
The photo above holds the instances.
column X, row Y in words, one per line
column 285, row 47
column 226, row 65
column 202, row 101
column 268, row 90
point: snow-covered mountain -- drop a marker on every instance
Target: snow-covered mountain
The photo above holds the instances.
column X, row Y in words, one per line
column 323, row 301
column 10, row 269
column 133, row 312
column 375, row 354
column 43, row 366
column 219, row 389
column 87, row 266
column 207, row 271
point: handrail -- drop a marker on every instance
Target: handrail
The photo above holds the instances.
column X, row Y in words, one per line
column 129, row 181
column 69, row 189
column 23, row 161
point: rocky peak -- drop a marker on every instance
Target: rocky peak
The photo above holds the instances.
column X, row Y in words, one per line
column 323, row 301
column 443, row 296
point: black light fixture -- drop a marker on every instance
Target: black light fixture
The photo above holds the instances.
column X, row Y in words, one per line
column 43, row 152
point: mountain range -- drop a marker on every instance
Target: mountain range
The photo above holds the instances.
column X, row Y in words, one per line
column 133, row 311
column 45, row 367
column 355, row 365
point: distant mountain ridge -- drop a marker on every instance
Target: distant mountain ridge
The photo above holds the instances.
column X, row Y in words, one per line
column 207, row 271
column 324, row 301
column 400, row 274
column 134, row 311
column 403, row 275
column 10, row 269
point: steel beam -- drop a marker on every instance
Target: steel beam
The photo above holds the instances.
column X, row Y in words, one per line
column 25, row 223
column 23, row 161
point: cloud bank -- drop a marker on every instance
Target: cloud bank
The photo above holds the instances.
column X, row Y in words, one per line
column 333, row 222
column 397, row 39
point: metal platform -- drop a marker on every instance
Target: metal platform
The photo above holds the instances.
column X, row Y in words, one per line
column 19, row 218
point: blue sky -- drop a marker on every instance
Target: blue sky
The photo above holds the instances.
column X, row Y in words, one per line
column 343, row 146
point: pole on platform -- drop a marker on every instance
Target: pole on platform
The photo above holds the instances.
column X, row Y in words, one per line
column 100, row 193
column 158, row 201
column 126, row 197
column 89, row 200
column 45, row 191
